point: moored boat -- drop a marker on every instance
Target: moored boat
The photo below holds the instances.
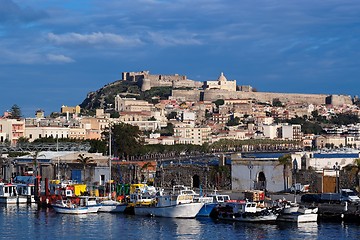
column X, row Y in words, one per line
column 112, row 206
column 215, row 200
column 9, row 194
column 245, row 211
column 177, row 204
column 69, row 208
column 90, row 203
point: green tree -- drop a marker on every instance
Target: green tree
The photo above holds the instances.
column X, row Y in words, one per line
column 127, row 140
column 277, row 103
column 84, row 161
column 355, row 168
column 15, row 112
column 98, row 146
column 286, row 162
column 172, row 115
column 219, row 102
column 233, row 121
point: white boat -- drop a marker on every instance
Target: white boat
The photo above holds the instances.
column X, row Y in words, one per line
column 26, row 191
column 245, row 211
column 112, row 206
column 9, row 194
column 177, row 204
column 67, row 207
column 293, row 212
column 90, row 203
column 215, row 200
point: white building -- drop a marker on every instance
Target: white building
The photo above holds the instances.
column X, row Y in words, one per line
column 193, row 135
column 222, row 83
column 131, row 105
column 33, row 133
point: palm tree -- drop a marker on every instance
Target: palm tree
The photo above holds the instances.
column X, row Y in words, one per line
column 84, row 161
column 286, row 162
column 35, row 157
column 354, row 168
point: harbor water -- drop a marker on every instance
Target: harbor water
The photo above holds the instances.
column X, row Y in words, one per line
column 27, row 222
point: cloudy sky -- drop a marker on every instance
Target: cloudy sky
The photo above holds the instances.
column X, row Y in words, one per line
column 54, row 52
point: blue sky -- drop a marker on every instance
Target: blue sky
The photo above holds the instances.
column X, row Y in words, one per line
column 55, row 52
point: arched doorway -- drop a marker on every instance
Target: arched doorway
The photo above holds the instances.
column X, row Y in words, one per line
column 261, row 181
column 196, row 181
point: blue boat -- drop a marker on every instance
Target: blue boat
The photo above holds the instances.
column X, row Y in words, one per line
column 208, row 207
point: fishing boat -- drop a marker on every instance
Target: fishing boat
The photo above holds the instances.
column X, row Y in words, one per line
column 175, row 204
column 90, row 203
column 112, row 206
column 26, row 191
column 215, row 200
column 67, row 207
column 9, row 194
column 293, row 212
column 245, row 211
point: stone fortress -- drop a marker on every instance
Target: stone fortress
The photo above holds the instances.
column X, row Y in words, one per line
column 147, row 81
column 225, row 89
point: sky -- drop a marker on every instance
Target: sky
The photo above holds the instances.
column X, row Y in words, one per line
column 54, row 52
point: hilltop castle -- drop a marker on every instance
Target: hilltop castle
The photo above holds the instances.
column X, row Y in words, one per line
column 224, row 89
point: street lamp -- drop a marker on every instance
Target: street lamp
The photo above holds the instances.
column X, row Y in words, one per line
column 250, row 166
column 337, row 169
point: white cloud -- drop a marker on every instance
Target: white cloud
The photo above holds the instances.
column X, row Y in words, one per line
column 92, row 39
column 167, row 39
column 59, row 58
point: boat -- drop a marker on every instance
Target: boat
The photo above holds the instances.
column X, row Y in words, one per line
column 67, row 207
column 175, row 204
column 293, row 212
column 9, row 194
column 90, row 203
column 26, row 191
column 112, row 206
column 214, row 200
column 245, row 211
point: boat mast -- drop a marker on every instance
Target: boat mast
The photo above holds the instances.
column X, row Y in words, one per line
column 58, row 160
column 110, row 160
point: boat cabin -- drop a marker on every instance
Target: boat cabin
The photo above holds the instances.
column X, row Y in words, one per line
column 8, row 190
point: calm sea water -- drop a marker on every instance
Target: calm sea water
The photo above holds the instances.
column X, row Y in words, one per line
column 26, row 222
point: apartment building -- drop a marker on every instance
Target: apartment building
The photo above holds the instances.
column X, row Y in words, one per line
column 34, row 132
column 193, row 135
column 11, row 130
column 131, row 105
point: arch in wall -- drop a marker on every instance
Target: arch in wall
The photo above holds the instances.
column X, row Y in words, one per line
column 196, row 181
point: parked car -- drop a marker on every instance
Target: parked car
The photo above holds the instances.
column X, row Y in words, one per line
column 300, row 188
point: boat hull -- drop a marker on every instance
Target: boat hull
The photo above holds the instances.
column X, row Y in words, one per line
column 247, row 218
column 206, row 210
column 299, row 218
column 67, row 210
column 113, row 208
column 14, row 200
column 187, row 210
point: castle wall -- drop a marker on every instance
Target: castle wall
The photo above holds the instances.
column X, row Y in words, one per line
column 212, row 95
column 186, row 95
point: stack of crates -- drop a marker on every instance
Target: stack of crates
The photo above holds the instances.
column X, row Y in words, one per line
column 255, row 195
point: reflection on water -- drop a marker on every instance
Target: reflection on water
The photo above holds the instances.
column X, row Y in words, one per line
column 26, row 222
